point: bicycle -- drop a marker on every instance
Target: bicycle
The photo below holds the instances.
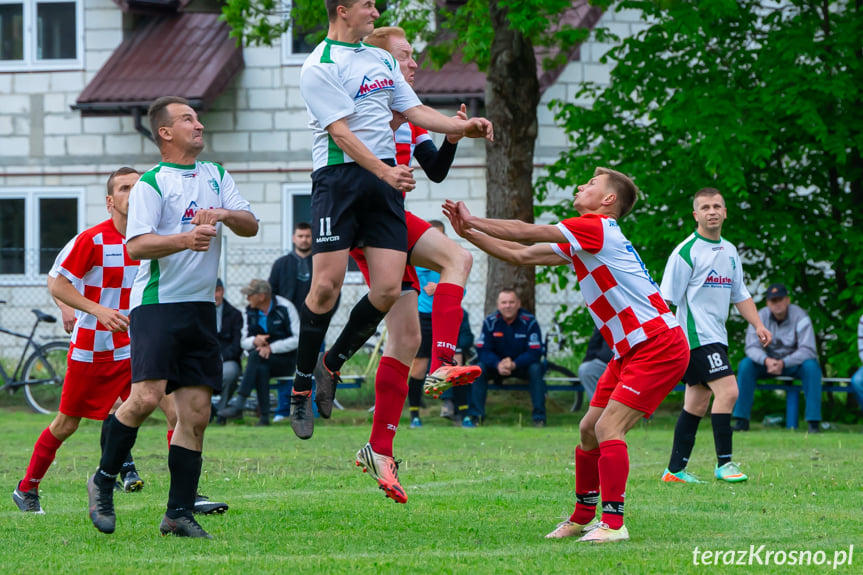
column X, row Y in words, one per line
column 555, row 373
column 41, row 374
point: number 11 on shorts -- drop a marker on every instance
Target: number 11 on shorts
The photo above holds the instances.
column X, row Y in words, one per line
column 326, row 230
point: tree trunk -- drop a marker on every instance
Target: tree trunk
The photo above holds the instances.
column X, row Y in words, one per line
column 512, row 95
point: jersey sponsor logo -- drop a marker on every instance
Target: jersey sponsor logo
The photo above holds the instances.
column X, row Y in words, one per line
column 714, row 279
column 626, row 387
column 191, row 175
column 717, row 249
column 189, row 213
column 369, row 87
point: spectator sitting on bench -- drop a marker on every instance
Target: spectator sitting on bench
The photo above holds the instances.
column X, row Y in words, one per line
column 857, row 378
column 792, row 353
column 510, row 346
column 229, row 327
column 271, row 329
column 594, row 363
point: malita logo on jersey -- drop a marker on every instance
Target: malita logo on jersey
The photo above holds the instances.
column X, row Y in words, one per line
column 189, row 213
column 714, row 279
column 369, row 86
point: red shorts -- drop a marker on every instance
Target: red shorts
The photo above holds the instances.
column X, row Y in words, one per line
column 646, row 375
column 91, row 389
column 416, row 228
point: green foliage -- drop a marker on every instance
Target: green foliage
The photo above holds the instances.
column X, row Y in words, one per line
column 255, row 22
column 761, row 100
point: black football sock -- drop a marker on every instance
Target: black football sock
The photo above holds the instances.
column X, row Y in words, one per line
column 313, row 329
column 185, row 467
column 460, row 394
column 684, row 440
column 722, row 437
column 362, row 323
column 415, row 394
column 119, row 441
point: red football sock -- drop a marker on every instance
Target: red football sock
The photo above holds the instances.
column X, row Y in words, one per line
column 43, row 455
column 613, row 473
column 446, row 321
column 170, row 435
column 391, row 390
column 586, row 485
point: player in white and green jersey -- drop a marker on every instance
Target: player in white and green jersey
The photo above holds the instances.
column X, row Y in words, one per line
column 351, row 91
column 176, row 212
column 703, row 277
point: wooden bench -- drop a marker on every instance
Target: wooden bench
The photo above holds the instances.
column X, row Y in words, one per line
column 792, row 393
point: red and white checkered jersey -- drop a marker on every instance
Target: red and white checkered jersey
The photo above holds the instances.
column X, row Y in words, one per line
column 623, row 299
column 102, row 271
column 408, row 137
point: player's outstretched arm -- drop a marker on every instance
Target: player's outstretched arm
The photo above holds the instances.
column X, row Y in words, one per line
column 749, row 312
column 432, row 120
column 513, row 230
column 63, row 290
column 511, row 252
column 399, row 177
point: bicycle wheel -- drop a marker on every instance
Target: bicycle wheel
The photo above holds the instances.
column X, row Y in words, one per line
column 46, row 368
column 556, row 370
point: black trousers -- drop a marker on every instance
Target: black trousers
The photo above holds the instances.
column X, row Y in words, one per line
column 258, row 373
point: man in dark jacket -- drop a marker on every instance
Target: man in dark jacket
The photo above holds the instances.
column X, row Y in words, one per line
column 270, row 335
column 510, row 345
column 291, row 277
column 229, row 324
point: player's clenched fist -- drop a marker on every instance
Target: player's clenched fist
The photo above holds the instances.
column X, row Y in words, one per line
column 209, row 216
column 479, row 128
column 400, row 177
column 199, row 238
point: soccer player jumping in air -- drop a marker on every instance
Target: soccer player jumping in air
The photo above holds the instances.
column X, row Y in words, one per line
column 650, row 349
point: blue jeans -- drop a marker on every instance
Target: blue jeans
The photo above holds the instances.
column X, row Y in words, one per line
column 857, row 386
column 533, row 373
column 808, row 372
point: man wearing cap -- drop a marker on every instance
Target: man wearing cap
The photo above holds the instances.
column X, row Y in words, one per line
column 271, row 329
column 229, row 326
column 791, row 353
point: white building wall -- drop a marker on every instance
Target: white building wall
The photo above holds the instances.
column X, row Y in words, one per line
column 257, row 129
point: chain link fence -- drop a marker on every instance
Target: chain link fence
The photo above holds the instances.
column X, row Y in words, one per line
column 242, row 262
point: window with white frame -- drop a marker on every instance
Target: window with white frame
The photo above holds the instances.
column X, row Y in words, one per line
column 294, row 45
column 41, row 35
column 35, row 224
column 296, row 208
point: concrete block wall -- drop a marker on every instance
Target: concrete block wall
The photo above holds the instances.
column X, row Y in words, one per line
column 258, row 129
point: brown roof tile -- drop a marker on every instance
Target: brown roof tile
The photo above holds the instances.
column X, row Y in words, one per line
column 188, row 55
column 458, row 79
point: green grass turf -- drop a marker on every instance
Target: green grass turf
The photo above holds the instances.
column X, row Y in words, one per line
column 480, row 502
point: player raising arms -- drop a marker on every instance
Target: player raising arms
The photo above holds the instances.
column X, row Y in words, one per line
column 351, row 90
column 650, row 350
column 427, row 248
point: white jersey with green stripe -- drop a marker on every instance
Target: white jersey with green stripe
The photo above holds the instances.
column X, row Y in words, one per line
column 163, row 202
column 703, row 278
column 360, row 83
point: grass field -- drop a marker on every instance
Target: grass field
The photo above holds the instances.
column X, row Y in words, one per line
column 480, row 502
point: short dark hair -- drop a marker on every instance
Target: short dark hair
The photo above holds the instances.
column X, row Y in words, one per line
column 119, row 172
column 159, row 117
column 624, row 187
column 333, row 4
column 707, row 193
column 302, row 226
column 509, row 290
column 437, row 224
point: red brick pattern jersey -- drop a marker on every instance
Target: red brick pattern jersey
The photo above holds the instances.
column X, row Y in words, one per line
column 623, row 299
column 407, row 138
column 99, row 265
